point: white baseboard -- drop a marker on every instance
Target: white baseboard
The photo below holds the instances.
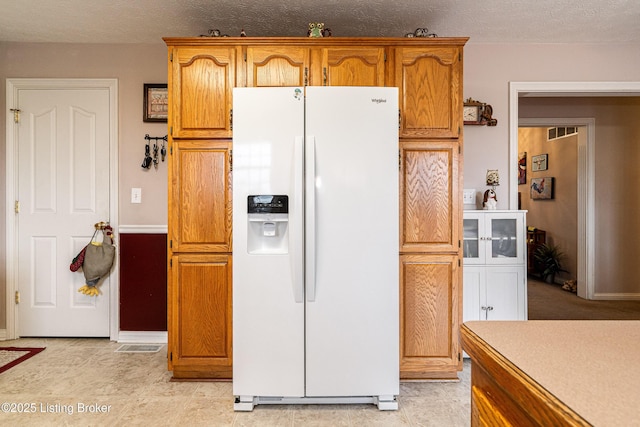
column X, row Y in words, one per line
column 143, row 337
column 3, row 334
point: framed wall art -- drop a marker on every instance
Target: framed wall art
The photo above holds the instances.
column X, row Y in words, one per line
column 542, row 188
column 156, row 102
column 540, row 162
column 522, row 168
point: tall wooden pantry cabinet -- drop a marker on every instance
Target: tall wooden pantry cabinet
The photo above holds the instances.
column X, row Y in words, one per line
column 202, row 74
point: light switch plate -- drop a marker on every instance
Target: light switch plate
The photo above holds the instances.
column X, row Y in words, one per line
column 136, row 195
column 469, row 197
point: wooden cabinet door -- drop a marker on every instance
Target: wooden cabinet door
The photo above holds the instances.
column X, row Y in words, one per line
column 200, row 196
column 200, row 316
column 430, row 84
column 277, row 66
column 350, row 66
column 201, row 81
column 430, row 196
column 430, row 303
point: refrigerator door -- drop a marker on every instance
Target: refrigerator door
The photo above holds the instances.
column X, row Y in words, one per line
column 268, row 304
column 352, row 314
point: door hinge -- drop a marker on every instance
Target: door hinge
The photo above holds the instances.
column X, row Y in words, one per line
column 399, row 119
column 231, row 160
column 17, row 297
column 171, row 356
column 385, row 57
column 16, row 206
column 171, row 244
column 459, row 357
column 171, row 57
column 459, row 263
column 400, row 160
column 171, row 150
column 171, row 130
column 231, row 119
column 16, row 114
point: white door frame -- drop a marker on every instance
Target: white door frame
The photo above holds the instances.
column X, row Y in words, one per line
column 586, row 160
column 13, row 85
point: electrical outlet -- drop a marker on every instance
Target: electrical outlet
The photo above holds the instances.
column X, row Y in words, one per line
column 469, row 197
column 136, row 195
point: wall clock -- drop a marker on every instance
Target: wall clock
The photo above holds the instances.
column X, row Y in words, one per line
column 472, row 112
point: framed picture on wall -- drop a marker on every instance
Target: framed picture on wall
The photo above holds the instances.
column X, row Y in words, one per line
column 156, row 102
column 542, row 188
column 540, row 162
column 522, row 168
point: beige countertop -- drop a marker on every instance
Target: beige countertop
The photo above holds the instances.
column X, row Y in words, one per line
column 593, row 366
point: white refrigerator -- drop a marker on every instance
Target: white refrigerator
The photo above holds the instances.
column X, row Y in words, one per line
column 315, row 246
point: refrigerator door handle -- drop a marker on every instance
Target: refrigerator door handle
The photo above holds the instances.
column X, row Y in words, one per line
column 310, row 220
column 297, row 221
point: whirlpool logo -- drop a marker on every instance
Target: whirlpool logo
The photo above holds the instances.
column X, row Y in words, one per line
column 378, row 100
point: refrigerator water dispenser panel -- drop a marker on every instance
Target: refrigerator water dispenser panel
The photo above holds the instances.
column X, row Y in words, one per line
column 268, row 219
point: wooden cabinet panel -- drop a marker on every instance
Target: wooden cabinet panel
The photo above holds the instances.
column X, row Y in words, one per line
column 200, row 99
column 350, row 66
column 429, row 306
column 277, row 66
column 202, row 74
column 200, row 196
column 430, row 205
column 200, row 316
column 430, row 84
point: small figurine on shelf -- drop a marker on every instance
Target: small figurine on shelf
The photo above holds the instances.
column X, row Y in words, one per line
column 315, row 29
column 487, row 112
column 242, row 33
column 490, row 201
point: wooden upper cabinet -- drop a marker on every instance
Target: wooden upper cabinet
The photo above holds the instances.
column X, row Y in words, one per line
column 430, row 81
column 200, row 99
column 200, row 196
column 277, row 66
column 349, row 66
column 430, row 201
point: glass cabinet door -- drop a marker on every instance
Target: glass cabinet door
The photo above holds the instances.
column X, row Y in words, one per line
column 472, row 248
column 504, row 238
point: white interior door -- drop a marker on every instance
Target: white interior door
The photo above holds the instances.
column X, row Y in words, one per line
column 63, row 189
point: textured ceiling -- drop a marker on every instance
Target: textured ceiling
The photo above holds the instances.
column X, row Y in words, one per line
column 487, row 21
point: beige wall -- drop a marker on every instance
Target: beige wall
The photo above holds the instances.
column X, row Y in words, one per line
column 488, row 70
column 558, row 216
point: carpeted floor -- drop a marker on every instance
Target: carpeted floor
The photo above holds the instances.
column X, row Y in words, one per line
column 546, row 302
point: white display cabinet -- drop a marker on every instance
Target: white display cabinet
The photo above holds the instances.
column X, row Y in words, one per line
column 494, row 272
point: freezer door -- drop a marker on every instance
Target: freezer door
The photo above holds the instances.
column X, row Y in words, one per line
column 352, row 314
column 268, row 304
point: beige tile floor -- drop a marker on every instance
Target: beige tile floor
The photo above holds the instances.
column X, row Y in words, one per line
column 85, row 382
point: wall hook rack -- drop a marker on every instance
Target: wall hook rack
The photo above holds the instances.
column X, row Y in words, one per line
column 146, row 163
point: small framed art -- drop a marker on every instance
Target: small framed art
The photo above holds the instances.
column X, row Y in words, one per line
column 156, row 102
column 542, row 188
column 540, row 162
